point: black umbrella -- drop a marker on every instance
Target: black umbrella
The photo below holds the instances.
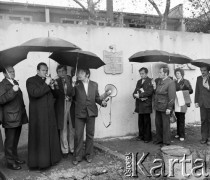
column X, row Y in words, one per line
column 78, row 58
column 201, row 62
column 159, row 56
column 49, row 44
column 12, row 56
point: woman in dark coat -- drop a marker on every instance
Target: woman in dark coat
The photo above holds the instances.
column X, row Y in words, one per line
column 181, row 85
column 43, row 142
column 143, row 95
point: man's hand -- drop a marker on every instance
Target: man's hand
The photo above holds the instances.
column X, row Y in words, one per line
column 104, row 103
column 168, row 111
column 48, row 80
column 206, row 86
column 196, row 105
column 136, row 95
column 15, row 88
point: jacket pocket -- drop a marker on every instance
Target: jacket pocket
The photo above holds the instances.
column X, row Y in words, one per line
column 162, row 104
column 13, row 116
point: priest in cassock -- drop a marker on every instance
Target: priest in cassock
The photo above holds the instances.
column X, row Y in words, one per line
column 43, row 142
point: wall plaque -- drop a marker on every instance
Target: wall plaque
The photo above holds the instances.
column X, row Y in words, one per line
column 113, row 61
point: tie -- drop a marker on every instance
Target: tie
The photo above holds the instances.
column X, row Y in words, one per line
column 15, row 82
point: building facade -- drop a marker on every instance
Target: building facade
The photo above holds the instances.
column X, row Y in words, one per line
column 13, row 11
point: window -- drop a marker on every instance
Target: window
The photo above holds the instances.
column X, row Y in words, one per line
column 67, row 21
column 72, row 21
column 15, row 17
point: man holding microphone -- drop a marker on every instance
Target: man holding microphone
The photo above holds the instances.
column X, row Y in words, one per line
column 43, row 141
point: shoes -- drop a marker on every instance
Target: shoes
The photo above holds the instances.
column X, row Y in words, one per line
column 65, row 155
column 203, row 141
column 181, row 139
column 75, row 162
column 13, row 166
column 146, row 141
column 88, row 159
column 157, row 142
column 166, row 144
column 177, row 136
column 139, row 138
column 20, row 161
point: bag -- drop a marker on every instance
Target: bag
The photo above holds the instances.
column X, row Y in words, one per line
column 173, row 118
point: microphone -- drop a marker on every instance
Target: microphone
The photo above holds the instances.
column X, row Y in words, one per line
column 105, row 95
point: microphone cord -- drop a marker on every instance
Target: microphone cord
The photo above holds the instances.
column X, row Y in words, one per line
column 110, row 114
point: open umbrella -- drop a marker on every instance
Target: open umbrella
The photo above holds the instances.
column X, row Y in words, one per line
column 159, row 56
column 48, row 44
column 201, row 62
column 12, row 56
column 78, row 58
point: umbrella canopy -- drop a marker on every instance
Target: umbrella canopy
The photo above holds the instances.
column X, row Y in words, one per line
column 159, row 56
column 12, row 56
column 78, row 58
column 48, row 44
column 201, row 62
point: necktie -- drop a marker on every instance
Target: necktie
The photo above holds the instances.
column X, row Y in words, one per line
column 15, row 82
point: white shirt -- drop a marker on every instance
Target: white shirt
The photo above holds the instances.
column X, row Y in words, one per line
column 86, row 86
column 11, row 81
column 179, row 80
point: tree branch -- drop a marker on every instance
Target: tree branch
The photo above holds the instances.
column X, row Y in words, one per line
column 81, row 5
column 167, row 9
column 208, row 6
column 203, row 9
column 156, row 7
column 91, row 14
column 97, row 2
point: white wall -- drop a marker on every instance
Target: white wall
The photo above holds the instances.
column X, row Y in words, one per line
column 97, row 39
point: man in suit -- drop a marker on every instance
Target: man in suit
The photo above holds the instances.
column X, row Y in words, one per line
column 1, row 139
column 143, row 95
column 164, row 101
column 14, row 116
column 63, row 93
column 202, row 100
column 86, row 110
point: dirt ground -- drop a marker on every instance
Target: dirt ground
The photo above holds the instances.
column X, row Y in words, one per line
column 106, row 166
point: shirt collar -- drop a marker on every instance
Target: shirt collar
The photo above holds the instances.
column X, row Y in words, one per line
column 10, row 80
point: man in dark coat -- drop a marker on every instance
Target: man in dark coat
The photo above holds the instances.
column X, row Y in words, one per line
column 202, row 100
column 14, row 116
column 1, row 140
column 164, row 101
column 143, row 95
column 86, row 110
column 43, row 141
column 63, row 93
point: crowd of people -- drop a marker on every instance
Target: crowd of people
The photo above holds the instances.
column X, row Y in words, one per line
column 160, row 94
column 60, row 109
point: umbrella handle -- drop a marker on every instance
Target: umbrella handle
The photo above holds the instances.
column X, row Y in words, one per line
column 76, row 64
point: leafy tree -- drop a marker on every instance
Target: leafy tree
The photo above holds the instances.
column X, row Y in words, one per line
column 163, row 16
column 90, row 7
column 199, row 13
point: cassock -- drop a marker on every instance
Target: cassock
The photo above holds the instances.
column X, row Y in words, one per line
column 43, row 141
